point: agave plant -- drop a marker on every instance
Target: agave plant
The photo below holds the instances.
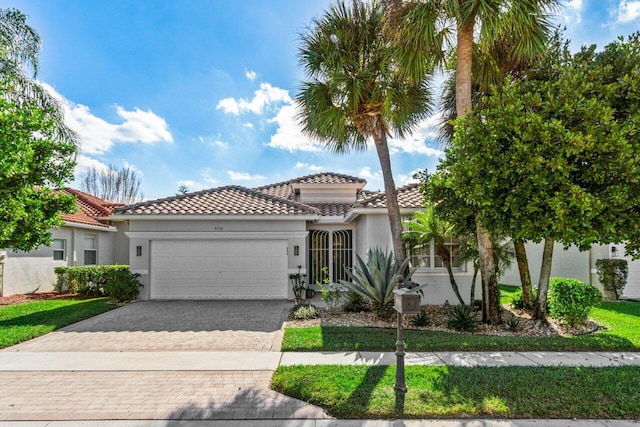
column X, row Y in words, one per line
column 376, row 279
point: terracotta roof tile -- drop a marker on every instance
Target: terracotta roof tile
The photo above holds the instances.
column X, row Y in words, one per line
column 89, row 209
column 230, row 200
column 409, row 196
column 332, row 209
column 285, row 190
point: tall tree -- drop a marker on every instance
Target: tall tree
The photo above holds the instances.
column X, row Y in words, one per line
column 546, row 159
column 354, row 91
column 428, row 26
column 117, row 185
column 37, row 151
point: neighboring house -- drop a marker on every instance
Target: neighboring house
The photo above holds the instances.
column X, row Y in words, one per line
column 87, row 237
column 240, row 243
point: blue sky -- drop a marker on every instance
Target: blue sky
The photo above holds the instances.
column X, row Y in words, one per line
column 198, row 92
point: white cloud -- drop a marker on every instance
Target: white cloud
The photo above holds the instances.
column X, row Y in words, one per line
column 133, row 168
column 289, row 135
column 628, row 11
column 98, row 136
column 244, row 176
column 250, row 74
column 84, row 163
column 408, row 179
column 416, row 142
column 214, row 141
column 312, row 168
column 571, row 13
column 248, row 125
column 263, row 97
column 366, row 173
column 206, row 175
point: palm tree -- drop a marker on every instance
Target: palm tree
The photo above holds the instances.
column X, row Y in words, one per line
column 355, row 93
column 426, row 227
column 428, row 26
column 19, row 49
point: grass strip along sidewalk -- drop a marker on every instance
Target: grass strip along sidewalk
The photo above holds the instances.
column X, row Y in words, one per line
column 621, row 320
column 460, row 392
column 21, row 322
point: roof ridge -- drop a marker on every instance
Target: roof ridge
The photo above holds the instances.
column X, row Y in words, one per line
column 383, row 194
column 90, row 200
column 313, row 175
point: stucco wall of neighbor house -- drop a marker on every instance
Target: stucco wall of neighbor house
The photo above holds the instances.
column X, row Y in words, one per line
column 143, row 232
column 570, row 263
column 26, row 272
column 440, row 291
column 121, row 243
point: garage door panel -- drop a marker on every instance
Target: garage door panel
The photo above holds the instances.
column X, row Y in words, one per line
column 209, row 269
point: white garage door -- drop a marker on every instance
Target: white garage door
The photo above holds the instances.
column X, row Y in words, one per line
column 218, row 269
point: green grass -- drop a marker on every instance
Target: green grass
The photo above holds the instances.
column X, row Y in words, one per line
column 621, row 318
column 22, row 322
column 446, row 392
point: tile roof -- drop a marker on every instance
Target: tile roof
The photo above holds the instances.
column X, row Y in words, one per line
column 332, row 209
column 90, row 210
column 285, row 190
column 409, row 196
column 230, row 200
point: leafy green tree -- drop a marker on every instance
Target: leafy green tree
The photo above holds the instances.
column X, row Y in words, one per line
column 355, row 93
column 429, row 26
column 545, row 159
column 37, row 150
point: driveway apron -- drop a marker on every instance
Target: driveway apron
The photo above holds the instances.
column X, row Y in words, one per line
column 169, row 365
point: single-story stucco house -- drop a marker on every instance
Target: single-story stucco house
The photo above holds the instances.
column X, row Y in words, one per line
column 242, row 243
column 87, row 237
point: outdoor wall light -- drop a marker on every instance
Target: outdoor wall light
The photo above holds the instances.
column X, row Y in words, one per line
column 138, row 250
column 614, row 252
column 296, row 250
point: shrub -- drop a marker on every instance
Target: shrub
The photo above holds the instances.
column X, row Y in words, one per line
column 517, row 300
column 115, row 281
column 304, row 311
column 613, row 276
column 462, row 318
column 376, row 279
column 570, row 300
column 512, row 323
column 355, row 303
column 421, row 319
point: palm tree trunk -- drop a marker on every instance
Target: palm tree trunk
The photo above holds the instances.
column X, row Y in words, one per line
column 525, row 276
column 540, row 310
column 393, row 209
column 445, row 256
column 464, row 52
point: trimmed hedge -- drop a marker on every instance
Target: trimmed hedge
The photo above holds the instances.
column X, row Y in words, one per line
column 570, row 300
column 115, row 281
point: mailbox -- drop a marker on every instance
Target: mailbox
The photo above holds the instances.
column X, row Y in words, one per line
column 406, row 301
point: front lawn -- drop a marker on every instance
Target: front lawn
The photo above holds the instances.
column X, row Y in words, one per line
column 457, row 392
column 21, row 322
column 621, row 319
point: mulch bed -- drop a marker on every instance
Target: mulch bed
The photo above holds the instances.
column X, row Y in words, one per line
column 38, row 296
column 438, row 317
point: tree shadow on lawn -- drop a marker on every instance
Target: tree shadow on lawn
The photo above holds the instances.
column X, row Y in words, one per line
column 631, row 308
column 58, row 316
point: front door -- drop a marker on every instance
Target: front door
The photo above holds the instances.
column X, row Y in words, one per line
column 330, row 255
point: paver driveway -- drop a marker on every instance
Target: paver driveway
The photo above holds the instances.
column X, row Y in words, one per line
column 173, row 326
column 181, row 378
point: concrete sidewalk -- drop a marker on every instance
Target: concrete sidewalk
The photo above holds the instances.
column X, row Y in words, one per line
column 269, row 361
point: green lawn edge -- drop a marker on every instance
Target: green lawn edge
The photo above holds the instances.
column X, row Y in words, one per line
column 461, row 392
column 22, row 322
column 621, row 320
